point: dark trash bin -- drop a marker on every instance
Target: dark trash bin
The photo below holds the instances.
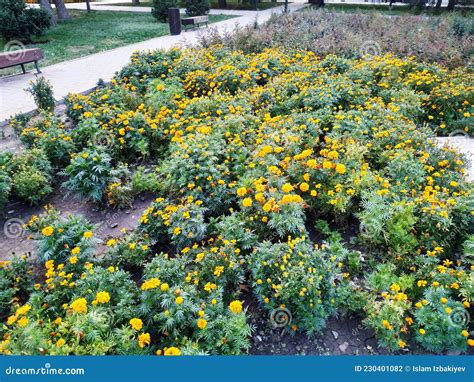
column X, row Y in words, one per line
column 174, row 21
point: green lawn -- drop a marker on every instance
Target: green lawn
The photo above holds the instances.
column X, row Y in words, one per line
column 90, row 33
column 231, row 4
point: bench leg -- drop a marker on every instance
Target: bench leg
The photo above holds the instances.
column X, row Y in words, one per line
column 23, row 68
column 38, row 71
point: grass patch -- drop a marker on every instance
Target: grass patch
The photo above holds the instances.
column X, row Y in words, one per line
column 98, row 31
column 231, row 5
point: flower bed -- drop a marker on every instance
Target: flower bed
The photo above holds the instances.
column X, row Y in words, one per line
column 261, row 164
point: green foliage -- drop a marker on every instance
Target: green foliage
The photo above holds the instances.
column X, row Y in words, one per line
column 181, row 224
column 42, row 93
column 15, row 283
column 17, row 21
column 299, row 277
column 197, row 7
column 59, row 239
column 441, row 323
column 88, row 173
column 31, row 176
column 160, row 9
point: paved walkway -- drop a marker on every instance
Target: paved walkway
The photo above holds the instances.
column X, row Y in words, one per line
column 83, row 73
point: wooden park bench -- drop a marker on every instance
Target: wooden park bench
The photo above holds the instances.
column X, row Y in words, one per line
column 194, row 21
column 21, row 57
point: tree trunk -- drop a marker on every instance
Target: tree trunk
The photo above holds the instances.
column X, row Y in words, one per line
column 438, row 4
column 47, row 7
column 451, row 4
column 61, row 10
column 88, row 6
column 135, row 2
column 222, row 4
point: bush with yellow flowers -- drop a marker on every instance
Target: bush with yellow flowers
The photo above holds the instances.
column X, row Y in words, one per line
column 27, row 176
column 259, row 165
column 300, row 277
column 181, row 224
column 441, row 323
column 16, row 279
column 179, row 303
column 62, row 239
column 129, row 251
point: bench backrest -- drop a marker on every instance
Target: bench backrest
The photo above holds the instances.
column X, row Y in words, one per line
column 201, row 19
column 20, row 57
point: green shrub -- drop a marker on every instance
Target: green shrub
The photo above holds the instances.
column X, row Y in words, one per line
column 31, row 176
column 31, row 185
column 89, row 173
column 160, row 9
column 17, row 21
column 42, row 93
column 297, row 276
column 197, row 7
column 61, row 239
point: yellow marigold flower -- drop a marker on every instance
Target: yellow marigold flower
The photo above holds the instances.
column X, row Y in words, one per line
column 102, row 297
column 47, row 231
column 22, row 322
column 151, row 284
column 340, row 168
column 79, row 305
column 73, row 260
column 287, row 187
column 136, row 324
column 176, row 231
column 75, row 250
column 144, row 339
column 235, row 306
column 387, row 325
column 465, row 333
column 179, row 300
column 470, row 342
column 466, row 304
column 214, row 301
column 448, row 310
column 23, row 310
column 422, row 331
column 444, row 300
column 402, row 344
column 247, row 202
column 164, row 287
column 201, row 323
column 304, row 187
column 87, row 234
column 241, row 191
column 172, row 351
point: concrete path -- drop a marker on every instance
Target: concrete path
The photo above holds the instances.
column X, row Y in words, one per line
column 82, row 74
